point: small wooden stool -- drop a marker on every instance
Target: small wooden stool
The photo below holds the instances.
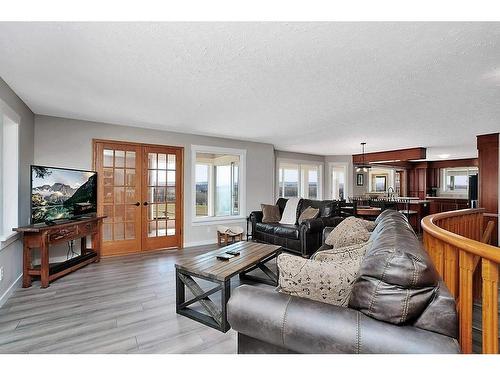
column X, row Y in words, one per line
column 223, row 238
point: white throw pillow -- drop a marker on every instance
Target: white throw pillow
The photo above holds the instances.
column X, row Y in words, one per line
column 290, row 212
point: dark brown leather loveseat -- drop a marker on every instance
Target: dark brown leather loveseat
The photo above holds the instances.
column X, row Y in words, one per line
column 398, row 304
column 303, row 239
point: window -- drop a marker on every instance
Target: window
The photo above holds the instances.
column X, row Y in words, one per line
column 9, row 175
column 299, row 180
column 338, row 174
column 218, row 183
column 456, row 180
column 381, row 179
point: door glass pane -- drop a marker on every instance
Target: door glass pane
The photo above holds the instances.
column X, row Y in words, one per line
column 108, row 177
column 171, row 178
column 162, row 161
column 151, row 194
column 152, row 161
column 107, row 232
column 171, row 228
column 119, row 233
column 119, row 195
column 162, row 210
column 171, row 194
column 152, row 181
column 162, row 228
column 130, row 159
column 171, row 210
column 171, row 161
column 107, row 159
column 160, row 195
column 162, row 178
column 152, row 229
column 119, row 177
column 119, row 213
column 130, row 213
column 129, row 231
column 130, row 196
column 108, row 211
column 130, row 177
column 108, row 195
column 119, row 158
column 152, row 212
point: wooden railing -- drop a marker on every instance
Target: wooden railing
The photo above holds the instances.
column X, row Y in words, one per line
column 455, row 242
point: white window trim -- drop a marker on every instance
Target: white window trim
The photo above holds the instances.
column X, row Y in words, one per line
column 348, row 174
column 242, row 153
column 319, row 164
column 8, row 236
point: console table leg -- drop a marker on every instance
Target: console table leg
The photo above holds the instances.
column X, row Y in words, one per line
column 83, row 245
column 44, row 264
column 26, row 266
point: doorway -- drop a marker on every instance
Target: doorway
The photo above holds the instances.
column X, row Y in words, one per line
column 140, row 191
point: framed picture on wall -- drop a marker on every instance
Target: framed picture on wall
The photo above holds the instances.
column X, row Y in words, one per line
column 360, row 179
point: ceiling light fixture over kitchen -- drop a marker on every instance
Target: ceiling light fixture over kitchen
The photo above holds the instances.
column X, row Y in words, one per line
column 364, row 167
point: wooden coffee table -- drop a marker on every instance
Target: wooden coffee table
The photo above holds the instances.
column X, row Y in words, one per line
column 207, row 267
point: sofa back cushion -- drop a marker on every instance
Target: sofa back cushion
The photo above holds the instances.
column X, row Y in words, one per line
column 327, row 208
column 397, row 281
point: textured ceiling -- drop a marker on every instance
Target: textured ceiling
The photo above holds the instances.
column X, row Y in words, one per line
column 307, row 87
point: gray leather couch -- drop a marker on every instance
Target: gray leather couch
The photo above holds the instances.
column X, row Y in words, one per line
column 398, row 304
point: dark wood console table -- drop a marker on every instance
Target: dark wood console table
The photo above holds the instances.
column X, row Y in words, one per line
column 41, row 236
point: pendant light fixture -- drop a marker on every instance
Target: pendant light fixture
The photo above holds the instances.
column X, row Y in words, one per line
column 364, row 167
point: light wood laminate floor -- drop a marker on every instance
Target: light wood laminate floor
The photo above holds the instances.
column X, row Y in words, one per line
column 120, row 305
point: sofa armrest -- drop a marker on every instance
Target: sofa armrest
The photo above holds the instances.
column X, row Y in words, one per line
column 326, row 232
column 318, row 224
column 256, row 216
column 306, row 326
column 312, row 225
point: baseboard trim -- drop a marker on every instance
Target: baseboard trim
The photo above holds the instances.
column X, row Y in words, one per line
column 200, row 243
column 10, row 290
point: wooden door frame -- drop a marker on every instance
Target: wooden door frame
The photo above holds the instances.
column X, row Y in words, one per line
column 181, row 148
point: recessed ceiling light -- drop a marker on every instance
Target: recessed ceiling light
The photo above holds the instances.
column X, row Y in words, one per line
column 444, row 156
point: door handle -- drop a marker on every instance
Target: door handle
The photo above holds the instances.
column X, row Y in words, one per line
column 145, row 203
column 137, row 204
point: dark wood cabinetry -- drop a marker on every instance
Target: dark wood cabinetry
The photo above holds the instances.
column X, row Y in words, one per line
column 437, row 205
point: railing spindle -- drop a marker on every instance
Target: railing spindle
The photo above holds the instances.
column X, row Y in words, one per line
column 466, row 265
column 490, row 307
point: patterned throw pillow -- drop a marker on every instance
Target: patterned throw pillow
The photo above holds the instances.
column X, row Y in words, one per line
column 324, row 281
column 308, row 213
column 271, row 214
column 369, row 225
column 354, row 252
column 349, row 231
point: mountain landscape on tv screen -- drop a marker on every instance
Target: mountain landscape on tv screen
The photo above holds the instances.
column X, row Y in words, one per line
column 59, row 193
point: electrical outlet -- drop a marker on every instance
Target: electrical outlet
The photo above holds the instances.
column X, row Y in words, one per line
column 1, row 274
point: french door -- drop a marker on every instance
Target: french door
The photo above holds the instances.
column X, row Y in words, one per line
column 140, row 192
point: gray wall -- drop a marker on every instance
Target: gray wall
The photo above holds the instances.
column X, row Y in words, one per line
column 11, row 255
column 68, row 143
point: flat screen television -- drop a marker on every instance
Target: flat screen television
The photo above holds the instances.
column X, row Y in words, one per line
column 59, row 193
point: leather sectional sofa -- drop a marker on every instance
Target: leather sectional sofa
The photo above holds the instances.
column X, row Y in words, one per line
column 303, row 239
column 398, row 304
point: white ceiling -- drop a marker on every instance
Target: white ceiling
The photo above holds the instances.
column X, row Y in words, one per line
column 307, row 87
